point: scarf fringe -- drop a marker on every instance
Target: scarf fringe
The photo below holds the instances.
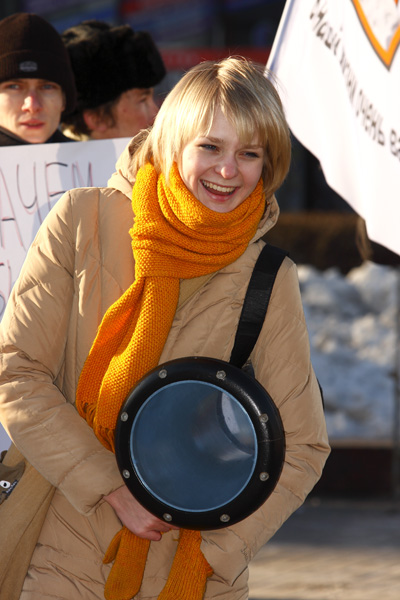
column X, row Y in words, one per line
column 106, row 436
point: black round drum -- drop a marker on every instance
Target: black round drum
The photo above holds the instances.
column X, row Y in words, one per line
column 200, row 443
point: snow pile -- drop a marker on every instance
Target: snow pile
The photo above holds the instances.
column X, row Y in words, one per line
column 352, row 326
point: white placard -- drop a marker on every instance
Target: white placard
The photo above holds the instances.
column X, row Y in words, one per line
column 32, row 179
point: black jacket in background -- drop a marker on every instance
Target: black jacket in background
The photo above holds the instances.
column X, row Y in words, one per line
column 10, row 139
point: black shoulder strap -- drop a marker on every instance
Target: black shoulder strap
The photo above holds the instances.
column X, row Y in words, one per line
column 256, row 303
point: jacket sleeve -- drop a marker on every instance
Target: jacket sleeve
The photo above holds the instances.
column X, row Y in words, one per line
column 281, row 359
column 33, row 334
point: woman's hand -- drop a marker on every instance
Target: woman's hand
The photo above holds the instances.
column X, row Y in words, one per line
column 135, row 517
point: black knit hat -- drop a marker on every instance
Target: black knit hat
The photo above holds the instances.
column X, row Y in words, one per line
column 31, row 48
column 108, row 60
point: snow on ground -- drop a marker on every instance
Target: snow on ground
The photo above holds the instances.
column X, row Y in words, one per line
column 352, row 325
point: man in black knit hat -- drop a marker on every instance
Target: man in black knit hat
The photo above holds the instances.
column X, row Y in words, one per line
column 36, row 81
column 115, row 70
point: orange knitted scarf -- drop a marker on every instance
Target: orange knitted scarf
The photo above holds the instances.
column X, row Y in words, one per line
column 174, row 237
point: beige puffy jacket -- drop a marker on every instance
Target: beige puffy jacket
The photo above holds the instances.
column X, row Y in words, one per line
column 79, row 264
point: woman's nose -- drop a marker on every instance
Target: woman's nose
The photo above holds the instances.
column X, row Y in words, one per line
column 228, row 167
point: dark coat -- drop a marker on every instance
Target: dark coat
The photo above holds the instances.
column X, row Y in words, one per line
column 7, row 138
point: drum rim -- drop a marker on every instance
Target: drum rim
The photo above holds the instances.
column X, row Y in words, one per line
column 257, row 403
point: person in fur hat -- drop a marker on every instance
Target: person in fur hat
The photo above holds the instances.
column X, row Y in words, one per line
column 116, row 70
column 36, row 81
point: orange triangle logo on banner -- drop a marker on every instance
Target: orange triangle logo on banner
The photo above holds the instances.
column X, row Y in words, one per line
column 378, row 23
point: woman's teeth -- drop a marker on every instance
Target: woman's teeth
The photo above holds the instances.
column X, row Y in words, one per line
column 218, row 188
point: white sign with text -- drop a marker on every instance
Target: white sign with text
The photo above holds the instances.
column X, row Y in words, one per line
column 32, row 179
column 338, row 69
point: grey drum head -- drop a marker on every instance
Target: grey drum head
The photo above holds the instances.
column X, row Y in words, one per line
column 200, row 443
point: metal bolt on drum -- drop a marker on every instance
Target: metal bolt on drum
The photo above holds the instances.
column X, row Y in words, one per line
column 167, row 517
column 224, row 518
column 202, row 443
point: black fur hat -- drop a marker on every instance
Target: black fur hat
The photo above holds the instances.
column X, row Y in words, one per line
column 31, row 48
column 108, row 60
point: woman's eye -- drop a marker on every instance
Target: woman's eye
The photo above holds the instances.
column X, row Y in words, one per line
column 208, row 146
column 250, row 154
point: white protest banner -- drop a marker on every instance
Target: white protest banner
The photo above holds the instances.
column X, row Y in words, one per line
column 338, row 70
column 32, row 179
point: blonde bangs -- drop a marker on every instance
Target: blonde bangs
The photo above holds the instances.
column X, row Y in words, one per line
column 246, row 97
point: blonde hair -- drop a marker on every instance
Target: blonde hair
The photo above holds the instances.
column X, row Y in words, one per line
column 247, row 99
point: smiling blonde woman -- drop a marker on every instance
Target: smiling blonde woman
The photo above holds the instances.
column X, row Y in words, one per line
column 101, row 301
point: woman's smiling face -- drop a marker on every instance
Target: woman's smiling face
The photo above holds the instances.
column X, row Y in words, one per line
column 219, row 170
